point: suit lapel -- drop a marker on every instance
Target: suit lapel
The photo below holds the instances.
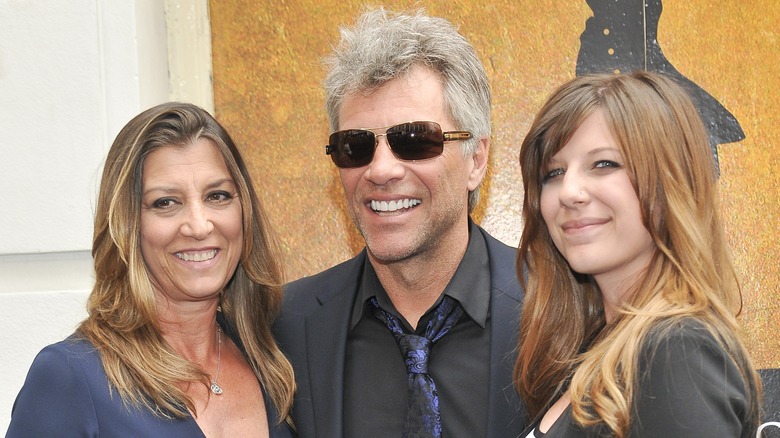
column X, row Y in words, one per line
column 505, row 301
column 326, row 342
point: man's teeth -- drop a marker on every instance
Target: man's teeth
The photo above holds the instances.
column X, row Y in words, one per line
column 394, row 205
column 197, row 256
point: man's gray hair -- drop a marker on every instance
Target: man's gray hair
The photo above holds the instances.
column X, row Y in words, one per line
column 385, row 45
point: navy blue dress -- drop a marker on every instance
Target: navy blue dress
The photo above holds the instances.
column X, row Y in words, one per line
column 66, row 393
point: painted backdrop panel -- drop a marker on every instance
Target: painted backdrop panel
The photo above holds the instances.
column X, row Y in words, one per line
column 267, row 75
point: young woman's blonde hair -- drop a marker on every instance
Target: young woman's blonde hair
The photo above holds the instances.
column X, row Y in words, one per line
column 122, row 320
column 564, row 339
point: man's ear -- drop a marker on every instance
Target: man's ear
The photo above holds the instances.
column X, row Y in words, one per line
column 479, row 163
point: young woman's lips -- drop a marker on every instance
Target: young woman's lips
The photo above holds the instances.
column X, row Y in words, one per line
column 580, row 224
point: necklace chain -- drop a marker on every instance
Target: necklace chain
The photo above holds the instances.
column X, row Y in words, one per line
column 216, row 389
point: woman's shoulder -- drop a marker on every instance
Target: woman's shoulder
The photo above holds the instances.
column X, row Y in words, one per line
column 71, row 351
column 56, row 394
column 689, row 385
column 70, row 366
column 680, row 333
column 685, row 346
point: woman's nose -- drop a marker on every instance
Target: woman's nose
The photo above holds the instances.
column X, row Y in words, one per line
column 197, row 224
column 573, row 190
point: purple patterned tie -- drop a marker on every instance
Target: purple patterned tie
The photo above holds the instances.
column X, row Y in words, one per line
column 422, row 414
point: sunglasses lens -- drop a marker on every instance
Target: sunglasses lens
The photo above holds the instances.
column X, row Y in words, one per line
column 352, row 148
column 409, row 141
column 416, row 140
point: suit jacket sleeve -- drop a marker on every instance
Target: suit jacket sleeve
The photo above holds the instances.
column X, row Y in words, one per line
column 55, row 399
column 689, row 386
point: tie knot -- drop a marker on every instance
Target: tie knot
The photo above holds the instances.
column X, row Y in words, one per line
column 416, row 350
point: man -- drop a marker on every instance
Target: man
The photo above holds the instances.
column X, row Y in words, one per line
column 427, row 269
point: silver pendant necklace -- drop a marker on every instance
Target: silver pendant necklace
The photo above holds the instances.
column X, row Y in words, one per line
column 216, row 389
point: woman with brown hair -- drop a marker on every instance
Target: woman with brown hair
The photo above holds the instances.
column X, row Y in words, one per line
column 629, row 322
column 177, row 341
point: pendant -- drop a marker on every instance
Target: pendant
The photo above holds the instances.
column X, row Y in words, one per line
column 216, row 389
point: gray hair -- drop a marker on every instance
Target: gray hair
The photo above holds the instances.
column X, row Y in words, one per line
column 385, row 45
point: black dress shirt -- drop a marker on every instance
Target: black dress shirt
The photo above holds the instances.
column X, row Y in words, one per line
column 375, row 396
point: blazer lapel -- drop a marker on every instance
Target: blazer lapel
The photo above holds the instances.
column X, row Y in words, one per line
column 505, row 411
column 326, row 341
column 504, row 404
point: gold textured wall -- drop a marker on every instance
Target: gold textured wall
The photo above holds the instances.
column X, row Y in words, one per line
column 267, row 75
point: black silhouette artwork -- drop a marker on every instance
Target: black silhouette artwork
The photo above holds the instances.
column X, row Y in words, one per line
column 621, row 36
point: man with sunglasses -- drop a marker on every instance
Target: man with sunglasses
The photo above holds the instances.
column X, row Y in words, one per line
column 409, row 107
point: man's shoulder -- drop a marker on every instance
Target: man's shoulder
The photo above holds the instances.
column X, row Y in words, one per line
column 342, row 271
column 496, row 246
column 322, row 285
column 503, row 259
column 307, row 295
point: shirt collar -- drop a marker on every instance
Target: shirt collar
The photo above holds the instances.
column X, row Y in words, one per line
column 470, row 284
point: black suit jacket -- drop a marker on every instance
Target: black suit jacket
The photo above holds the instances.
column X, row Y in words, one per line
column 312, row 332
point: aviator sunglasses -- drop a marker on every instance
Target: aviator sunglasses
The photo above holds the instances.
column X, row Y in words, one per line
column 409, row 141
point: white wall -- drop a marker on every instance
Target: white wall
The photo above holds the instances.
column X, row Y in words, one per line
column 72, row 73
